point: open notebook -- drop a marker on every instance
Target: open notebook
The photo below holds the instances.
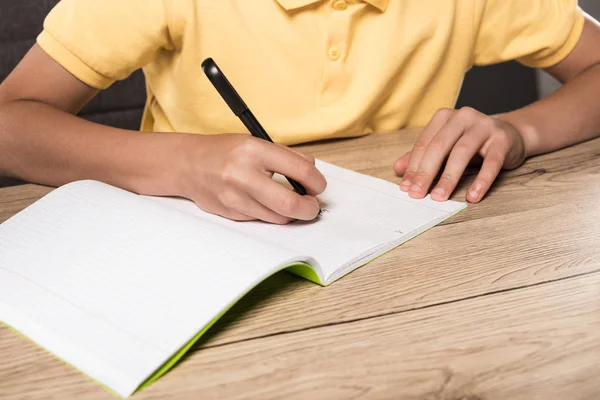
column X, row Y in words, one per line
column 120, row 285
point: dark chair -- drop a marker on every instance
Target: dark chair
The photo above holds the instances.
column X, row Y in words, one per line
column 499, row 88
column 491, row 89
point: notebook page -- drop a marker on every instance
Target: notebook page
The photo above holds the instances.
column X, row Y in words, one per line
column 114, row 284
column 361, row 213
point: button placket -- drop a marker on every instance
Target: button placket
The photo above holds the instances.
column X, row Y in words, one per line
column 339, row 33
column 338, row 24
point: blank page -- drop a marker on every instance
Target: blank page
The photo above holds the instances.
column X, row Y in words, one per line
column 114, row 284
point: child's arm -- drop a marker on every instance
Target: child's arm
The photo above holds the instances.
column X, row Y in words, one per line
column 41, row 140
column 568, row 116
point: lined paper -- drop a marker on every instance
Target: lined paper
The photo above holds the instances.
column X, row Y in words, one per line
column 115, row 283
column 361, row 214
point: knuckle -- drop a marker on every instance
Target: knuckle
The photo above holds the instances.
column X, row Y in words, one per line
column 489, row 124
column 462, row 149
column 231, row 175
column 409, row 173
column 249, row 146
column 437, row 144
column 468, row 113
column 468, row 110
column 443, row 113
column 304, row 169
column 420, row 145
column 448, row 177
column 423, row 176
column 496, row 159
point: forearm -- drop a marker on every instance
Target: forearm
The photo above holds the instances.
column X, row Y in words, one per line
column 568, row 116
column 44, row 145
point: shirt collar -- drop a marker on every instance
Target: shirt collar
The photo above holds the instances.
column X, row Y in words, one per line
column 294, row 4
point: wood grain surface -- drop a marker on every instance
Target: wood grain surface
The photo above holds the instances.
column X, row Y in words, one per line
column 500, row 302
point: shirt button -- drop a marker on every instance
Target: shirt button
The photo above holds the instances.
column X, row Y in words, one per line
column 340, row 5
column 334, row 53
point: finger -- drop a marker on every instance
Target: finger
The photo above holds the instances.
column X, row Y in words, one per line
column 258, row 211
column 242, row 207
column 234, row 216
column 254, row 209
column 283, row 201
column 401, row 164
column 307, row 156
column 215, row 206
column 311, row 159
column 437, row 122
column 460, row 157
column 290, row 164
column 438, row 149
column 230, row 214
column 492, row 164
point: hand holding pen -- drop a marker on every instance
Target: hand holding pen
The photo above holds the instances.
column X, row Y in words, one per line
column 231, row 175
column 241, row 110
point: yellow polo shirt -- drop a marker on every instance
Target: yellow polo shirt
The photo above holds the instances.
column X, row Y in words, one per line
column 308, row 69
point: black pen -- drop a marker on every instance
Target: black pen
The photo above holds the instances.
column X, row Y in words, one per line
column 239, row 108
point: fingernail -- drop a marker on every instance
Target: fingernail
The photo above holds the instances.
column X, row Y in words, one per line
column 475, row 191
column 415, row 188
column 405, row 184
column 439, row 191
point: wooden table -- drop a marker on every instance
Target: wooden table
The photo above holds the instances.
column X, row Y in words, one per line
column 500, row 302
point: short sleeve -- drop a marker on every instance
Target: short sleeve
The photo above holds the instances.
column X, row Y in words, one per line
column 537, row 33
column 102, row 41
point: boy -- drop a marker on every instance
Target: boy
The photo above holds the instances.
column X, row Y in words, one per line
column 309, row 70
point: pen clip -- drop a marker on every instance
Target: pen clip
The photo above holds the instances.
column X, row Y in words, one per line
column 225, row 89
